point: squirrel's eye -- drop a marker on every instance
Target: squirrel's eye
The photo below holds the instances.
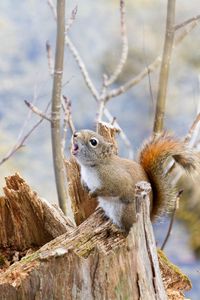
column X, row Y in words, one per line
column 93, row 142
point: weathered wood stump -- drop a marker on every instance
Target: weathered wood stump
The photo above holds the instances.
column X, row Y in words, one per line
column 92, row 261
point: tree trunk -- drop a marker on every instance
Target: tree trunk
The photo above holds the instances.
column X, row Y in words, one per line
column 92, row 261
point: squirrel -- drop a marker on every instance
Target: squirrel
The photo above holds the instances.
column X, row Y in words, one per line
column 112, row 179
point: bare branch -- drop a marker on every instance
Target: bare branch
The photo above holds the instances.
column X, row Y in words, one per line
column 28, row 116
column 124, row 52
column 191, row 140
column 128, row 85
column 82, row 68
column 123, row 88
column 53, row 9
column 94, row 91
column 185, row 31
column 36, row 110
column 71, row 19
column 164, row 70
column 191, row 20
column 49, row 58
column 59, row 168
column 66, row 106
column 172, row 220
column 193, row 132
column 20, row 143
column 153, row 66
column 101, row 110
column 108, row 81
column 22, row 136
column 102, row 101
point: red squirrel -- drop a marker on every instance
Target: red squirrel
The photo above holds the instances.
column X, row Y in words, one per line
column 112, row 179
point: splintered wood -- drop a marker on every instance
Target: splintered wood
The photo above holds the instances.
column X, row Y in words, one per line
column 27, row 221
column 109, row 133
column 92, row 261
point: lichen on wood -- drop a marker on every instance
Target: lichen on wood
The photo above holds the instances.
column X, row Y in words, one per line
column 173, row 278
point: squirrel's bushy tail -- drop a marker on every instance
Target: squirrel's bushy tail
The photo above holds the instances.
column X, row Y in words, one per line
column 153, row 158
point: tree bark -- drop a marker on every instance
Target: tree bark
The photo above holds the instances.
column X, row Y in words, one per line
column 56, row 134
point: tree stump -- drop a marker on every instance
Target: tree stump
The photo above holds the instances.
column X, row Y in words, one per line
column 92, row 261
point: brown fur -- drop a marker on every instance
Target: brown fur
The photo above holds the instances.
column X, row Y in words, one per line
column 153, row 156
column 118, row 176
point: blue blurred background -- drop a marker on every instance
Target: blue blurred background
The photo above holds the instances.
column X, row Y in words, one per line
column 24, row 28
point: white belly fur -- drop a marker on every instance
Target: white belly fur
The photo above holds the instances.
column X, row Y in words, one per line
column 113, row 208
column 90, row 177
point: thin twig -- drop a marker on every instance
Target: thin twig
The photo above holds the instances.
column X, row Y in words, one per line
column 124, row 52
column 94, row 91
column 49, row 58
column 130, row 83
column 152, row 66
column 28, row 116
column 164, row 70
column 172, row 220
column 71, row 19
column 101, row 110
column 134, row 81
column 102, row 101
column 82, row 68
column 53, row 9
column 185, row 31
column 36, row 110
column 68, row 122
column 67, row 108
column 178, row 26
column 21, row 134
column 20, row 142
column 113, row 121
column 107, row 81
column 59, row 168
column 191, row 137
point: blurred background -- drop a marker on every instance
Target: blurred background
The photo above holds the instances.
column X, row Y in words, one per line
column 25, row 26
